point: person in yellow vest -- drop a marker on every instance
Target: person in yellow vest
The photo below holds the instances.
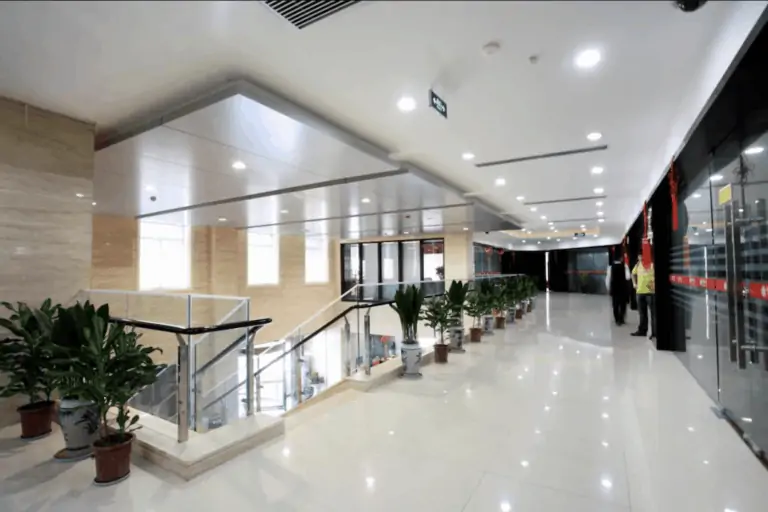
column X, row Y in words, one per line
column 645, row 288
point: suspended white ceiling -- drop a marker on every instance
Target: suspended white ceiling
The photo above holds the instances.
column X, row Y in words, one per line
column 109, row 62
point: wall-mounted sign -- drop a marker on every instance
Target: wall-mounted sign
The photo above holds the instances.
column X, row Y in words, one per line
column 579, row 234
column 724, row 195
column 437, row 103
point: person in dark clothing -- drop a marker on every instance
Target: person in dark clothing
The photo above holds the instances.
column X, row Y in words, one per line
column 617, row 280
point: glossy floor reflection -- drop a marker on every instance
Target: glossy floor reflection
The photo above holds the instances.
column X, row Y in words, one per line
column 560, row 412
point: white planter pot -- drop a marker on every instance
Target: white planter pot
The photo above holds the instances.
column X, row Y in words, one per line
column 79, row 422
column 487, row 324
column 511, row 315
column 411, row 354
column 456, row 335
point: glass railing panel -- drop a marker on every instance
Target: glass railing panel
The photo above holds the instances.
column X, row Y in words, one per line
column 160, row 399
column 216, row 361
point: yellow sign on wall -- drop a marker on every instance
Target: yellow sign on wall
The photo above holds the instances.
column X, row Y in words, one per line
column 724, row 195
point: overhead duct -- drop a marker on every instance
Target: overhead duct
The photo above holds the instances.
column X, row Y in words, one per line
column 302, row 14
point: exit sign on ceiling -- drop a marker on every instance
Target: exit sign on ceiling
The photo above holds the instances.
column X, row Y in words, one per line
column 437, row 103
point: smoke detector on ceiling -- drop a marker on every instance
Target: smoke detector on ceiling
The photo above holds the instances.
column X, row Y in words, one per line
column 491, row 47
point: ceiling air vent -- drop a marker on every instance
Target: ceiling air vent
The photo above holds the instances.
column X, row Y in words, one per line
column 302, row 14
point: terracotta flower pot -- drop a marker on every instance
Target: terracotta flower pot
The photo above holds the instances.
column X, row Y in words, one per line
column 113, row 458
column 36, row 419
column 441, row 353
column 519, row 313
column 499, row 322
column 475, row 334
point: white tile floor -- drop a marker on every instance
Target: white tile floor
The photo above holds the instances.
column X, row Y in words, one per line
column 562, row 412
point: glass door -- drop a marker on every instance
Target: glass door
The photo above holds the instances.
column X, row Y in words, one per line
column 740, row 190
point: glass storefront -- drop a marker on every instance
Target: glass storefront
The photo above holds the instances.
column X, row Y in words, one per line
column 718, row 252
column 487, row 259
column 390, row 263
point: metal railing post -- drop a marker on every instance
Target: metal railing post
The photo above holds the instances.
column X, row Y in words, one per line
column 367, row 341
column 346, row 340
column 192, row 377
column 182, row 406
column 249, row 361
column 299, row 371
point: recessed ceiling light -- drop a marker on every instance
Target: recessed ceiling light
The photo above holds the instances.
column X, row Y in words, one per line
column 222, row 219
column 365, row 200
column 558, row 239
column 754, row 150
column 238, row 165
column 468, row 156
column 521, row 198
column 594, row 136
column 696, row 195
column 533, row 208
column 528, row 231
column 599, row 214
column 93, row 203
column 582, row 226
column 79, row 195
column 500, row 182
column 598, row 190
column 587, row 59
column 283, row 211
column 523, row 241
column 465, row 229
column 597, row 170
column 551, row 223
column 543, row 217
column 149, row 188
column 600, row 220
column 549, row 238
column 552, row 228
column 583, row 229
column 406, row 104
column 709, row 230
column 406, row 233
column 716, row 177
column 539, row 243
column 599, row 203
column 595, row 235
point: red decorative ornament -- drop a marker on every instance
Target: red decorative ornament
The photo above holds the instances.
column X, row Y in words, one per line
column 626, row 252
column 500, row 251
column 488, row 250
column 673, row 194
column 646, row 254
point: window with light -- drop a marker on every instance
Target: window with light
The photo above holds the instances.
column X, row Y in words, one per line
column 316, row 261
column 164, row 256
column 263, row 259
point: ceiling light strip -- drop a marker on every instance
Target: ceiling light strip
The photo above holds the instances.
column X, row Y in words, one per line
column 341, row 217
column 277, row 192
column 567, row 200
column 541, row 156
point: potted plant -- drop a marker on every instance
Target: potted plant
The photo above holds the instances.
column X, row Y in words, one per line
column 475, row 308
column 437, row 315
column 26, row 360
column 510, row 299
column 407, row 305
column 112, row 367
column 499, row 304
column 530, row 291
column 457, row 296
column 78, row 418
column 487, row 291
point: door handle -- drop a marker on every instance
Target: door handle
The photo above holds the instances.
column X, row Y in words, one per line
column 754, row 348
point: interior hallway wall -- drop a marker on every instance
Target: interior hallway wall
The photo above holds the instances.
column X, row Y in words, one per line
column 218, row 267
column 46, row 160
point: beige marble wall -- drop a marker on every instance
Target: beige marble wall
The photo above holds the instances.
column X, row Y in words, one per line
column 46, row 160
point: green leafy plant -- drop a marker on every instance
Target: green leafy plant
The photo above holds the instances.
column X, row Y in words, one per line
column 514, row 292
column 437, row 315
column 475, row 306
column 110, row 368
column 27, row 357
column 407, row 305
column 457, row 296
